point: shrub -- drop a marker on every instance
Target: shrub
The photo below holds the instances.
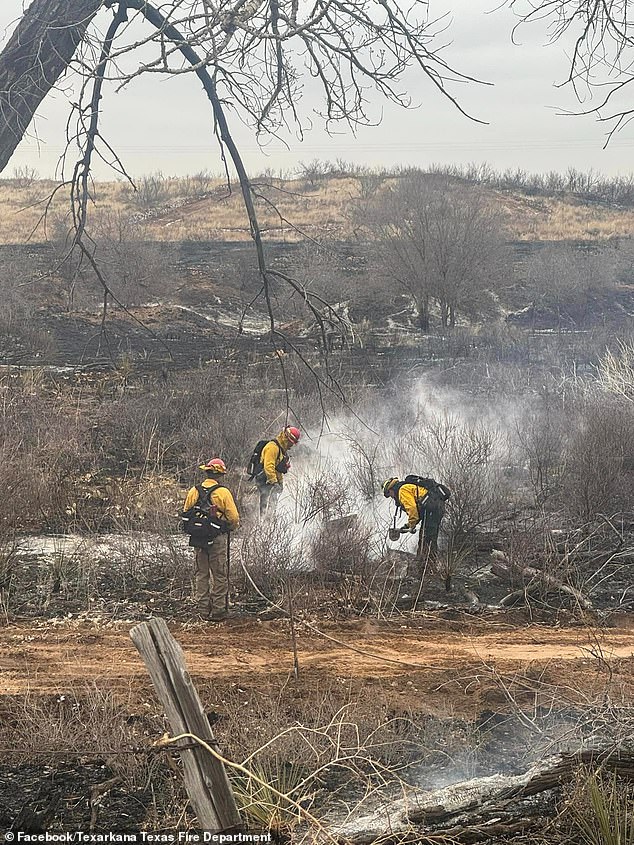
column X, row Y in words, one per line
column 149, row 191
column 599, row 457
column 601, row 810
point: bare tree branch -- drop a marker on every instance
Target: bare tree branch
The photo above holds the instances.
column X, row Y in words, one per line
column 602, row 39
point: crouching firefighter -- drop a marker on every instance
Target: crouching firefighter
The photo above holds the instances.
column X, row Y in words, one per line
column 269, row 464
column 423, row 501
column 209, row 515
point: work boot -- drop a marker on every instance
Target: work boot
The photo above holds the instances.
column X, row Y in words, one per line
column 218, row 615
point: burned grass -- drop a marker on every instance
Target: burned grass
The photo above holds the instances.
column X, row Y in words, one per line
column 339, row 738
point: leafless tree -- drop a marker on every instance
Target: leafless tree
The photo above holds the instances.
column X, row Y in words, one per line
column 561, row 279
column 313, row 172
column 137, row 271
column 25, row 176
column 469, row 458
column 441, row 242
column 598, row 468
column 541, row 438
column 36, row 56
column 369, row 181
column 600, row 60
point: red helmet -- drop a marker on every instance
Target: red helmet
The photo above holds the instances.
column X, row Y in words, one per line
column 216, row 465
column 292, row 434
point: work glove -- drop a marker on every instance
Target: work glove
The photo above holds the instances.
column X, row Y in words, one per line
column 407, row 530
column 271, row 482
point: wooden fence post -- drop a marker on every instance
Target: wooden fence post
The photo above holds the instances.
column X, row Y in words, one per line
column 205, row 777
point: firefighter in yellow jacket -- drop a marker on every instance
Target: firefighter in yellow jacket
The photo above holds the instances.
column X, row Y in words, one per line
column 212, row 545
column 274, row 463
column 423, row 500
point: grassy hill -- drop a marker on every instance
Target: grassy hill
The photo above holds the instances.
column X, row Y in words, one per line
column 174, row 210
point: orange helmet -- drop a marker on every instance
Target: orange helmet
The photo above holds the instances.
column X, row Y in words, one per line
column 292, row 434
column 216, row 465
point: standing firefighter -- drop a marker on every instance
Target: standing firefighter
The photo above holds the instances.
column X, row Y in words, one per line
column 423, row 500
column 269, row 464
column 209, row 514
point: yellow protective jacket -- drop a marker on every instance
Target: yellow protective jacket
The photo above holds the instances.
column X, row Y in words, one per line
column 271, row 455
column 221, row 498
column 408, row 497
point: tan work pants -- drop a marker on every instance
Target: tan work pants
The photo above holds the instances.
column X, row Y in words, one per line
column 212, row 562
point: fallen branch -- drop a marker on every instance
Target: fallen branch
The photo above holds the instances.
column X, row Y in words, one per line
column 535, row 581
column 465, row 805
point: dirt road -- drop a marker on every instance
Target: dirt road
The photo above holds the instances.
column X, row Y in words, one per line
column 47, row 658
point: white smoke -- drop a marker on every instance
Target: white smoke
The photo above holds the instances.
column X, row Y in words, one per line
column 339, row 469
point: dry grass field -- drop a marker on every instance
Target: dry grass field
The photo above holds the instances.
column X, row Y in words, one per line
column 192, row 208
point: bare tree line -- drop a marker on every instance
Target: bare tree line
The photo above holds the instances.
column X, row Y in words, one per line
column 152, row 190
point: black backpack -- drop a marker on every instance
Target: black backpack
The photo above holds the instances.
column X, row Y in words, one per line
column 434, row 490
column 203, row 520
column 255, row 467
column 434, row 500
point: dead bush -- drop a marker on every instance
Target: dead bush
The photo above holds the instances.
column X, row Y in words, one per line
column 270, row 554
column 9, row 573
column 24, row 176
column 343, row 546
column 45, row 453
column 598, row 475
column 81, row 721
column 197, row 416
column 149, row 192
column 330, row 745
column 20, row 339
column 148, row 565
column 322, row 494
column 541, row 436
column 151, row 502
column 136, row 271
column 361, row 466
column 469, row 458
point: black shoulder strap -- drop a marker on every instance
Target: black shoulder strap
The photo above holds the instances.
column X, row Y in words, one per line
column 207, row 491
column 420, row 499
column 203, row 492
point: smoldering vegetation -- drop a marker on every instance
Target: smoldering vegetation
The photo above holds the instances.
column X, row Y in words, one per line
column 540, row 461
column 337, row 752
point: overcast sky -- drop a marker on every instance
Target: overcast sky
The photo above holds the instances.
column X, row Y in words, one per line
column 164, row 123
